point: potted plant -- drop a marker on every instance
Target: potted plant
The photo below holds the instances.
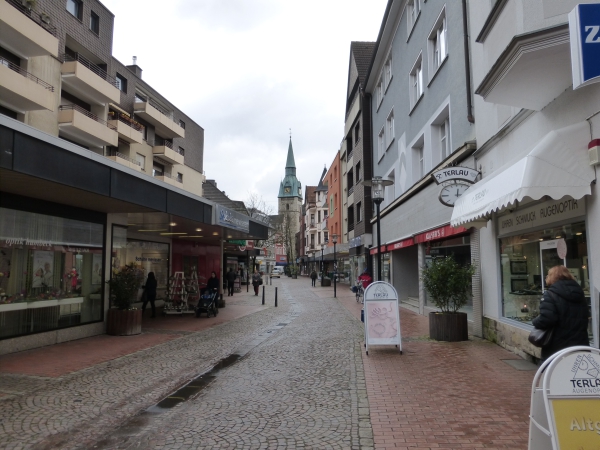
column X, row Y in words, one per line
column 294, row 272
column 448, row 284
column 123, row 319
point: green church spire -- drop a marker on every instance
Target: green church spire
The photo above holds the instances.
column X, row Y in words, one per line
column 290, row 186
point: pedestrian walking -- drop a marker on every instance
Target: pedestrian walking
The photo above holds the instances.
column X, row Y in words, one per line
column 256, row 281
column 313, row 277
column 231, row 276
column 563, row 309
column 211, row 285
column 149, row 294
column 365, row 279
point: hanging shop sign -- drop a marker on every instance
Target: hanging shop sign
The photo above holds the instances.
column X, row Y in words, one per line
column 584, row 30
column 382, row 316
column 545, row 213
column 455, row 181
column 565, row 401
column 439, row 233
column 454, row 174
column 228, row 218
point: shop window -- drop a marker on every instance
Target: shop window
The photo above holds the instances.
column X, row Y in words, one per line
column 146, row 256
column 50, row 272
column 525, row 260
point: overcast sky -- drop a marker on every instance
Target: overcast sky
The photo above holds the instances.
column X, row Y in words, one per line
column 247, row 71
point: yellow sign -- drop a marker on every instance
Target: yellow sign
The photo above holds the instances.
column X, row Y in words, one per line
column 577, row 423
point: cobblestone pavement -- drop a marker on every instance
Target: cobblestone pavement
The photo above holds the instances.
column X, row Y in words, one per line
column 299, row 384
column 302, row 380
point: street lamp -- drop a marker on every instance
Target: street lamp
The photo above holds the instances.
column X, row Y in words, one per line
column 378, row 184
column 335, row 239
column 323, row 245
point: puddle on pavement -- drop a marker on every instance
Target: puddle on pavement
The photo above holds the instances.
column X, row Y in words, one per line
column 194, row 387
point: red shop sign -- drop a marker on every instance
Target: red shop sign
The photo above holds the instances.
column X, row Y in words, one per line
column 374, row 250
column 439, row 233
column 401, row 244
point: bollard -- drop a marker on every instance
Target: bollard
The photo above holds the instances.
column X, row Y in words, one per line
column 271, row 281
column 263, row 298
column 275, row 297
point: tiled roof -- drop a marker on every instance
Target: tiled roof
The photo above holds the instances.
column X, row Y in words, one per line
column 211, row 192
column 310, row 194
column 363, row 52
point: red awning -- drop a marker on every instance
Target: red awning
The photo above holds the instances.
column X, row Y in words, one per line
column 400, row 244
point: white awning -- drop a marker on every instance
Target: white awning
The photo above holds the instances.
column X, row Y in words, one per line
column 558, row 166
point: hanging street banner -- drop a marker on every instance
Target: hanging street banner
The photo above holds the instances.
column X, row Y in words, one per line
column 584, row 31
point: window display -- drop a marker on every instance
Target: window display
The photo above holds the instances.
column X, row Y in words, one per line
column 526, row 259
column 50, row 272
column 146, row 256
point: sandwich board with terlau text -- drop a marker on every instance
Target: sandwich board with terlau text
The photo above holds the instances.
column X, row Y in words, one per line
column 382, row 316
column 565, row 401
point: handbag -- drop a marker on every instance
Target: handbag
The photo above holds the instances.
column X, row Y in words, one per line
column 260, row 282
column 540, row 338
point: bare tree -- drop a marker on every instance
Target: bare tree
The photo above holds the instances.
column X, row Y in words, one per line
column 260, row 211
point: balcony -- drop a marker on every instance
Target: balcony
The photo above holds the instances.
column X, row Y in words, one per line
column 173, row 181
column 161, row 119
column 22, row 91
column 129, row 130
column 350, row 190
column 82, row 126
column 165, row 150
column 88, row 81
column 24, row 32
column 125, row 160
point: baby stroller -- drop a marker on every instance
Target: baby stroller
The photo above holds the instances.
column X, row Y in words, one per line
column 208, row 304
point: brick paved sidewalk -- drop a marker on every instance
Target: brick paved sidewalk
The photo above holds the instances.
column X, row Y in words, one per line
column 88, row 352
column 441, row 395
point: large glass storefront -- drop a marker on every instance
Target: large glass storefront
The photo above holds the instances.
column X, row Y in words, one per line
column 50, row 272
column 525, row 260
column 146, row 256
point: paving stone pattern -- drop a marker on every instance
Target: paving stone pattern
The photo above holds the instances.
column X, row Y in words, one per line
column 303, row 381
column 301, row 388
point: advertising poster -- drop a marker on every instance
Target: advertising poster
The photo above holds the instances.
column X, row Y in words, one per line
column 97, row 268
column 382, row 327
column 382, row 316
column 43, row 269
column 577, row 423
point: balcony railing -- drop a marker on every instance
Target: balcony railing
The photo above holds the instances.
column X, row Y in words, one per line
column 26, row 74
column 312, row 246
column 160, row 109
column 167, row 175
column 66, row 57
column 125, row 157
column 87, row 113
column 312, row 223
column 160, row 142
column 349, row 157
column 127, row 121
column 41, row 19
column 350, row 190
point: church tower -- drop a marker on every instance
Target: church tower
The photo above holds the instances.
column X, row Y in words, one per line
column 290, row 200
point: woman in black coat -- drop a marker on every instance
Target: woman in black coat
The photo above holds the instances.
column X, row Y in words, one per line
column 150, row 293
column 563, row 308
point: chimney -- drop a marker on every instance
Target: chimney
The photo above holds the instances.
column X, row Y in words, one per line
column 135, row 68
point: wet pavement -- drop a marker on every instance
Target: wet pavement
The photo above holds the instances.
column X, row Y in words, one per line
column 295, row 376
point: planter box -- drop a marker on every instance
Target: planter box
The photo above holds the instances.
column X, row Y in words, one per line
column 451, row 327
column 121, row 322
